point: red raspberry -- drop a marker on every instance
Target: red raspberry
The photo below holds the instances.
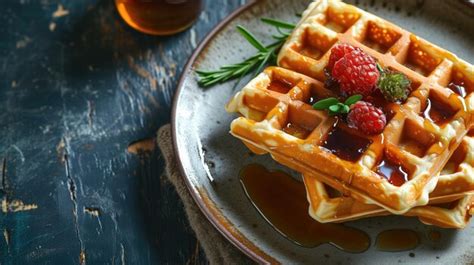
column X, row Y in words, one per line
column 338, row 51
column 356, row 73
column 366, row 118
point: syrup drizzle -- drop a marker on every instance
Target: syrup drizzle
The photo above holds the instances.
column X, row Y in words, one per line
column 380, row 102
column 397, row 240
column 345, row 145
column 296, row 131
column 436, row 112
column 395, row 174
column 458, row 88
column 471, row 133
column 280, row 86
column 312, row 100
column 281, row 200
column 311, row 51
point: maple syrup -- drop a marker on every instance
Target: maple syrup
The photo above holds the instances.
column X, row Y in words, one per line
column 296, row 131
column 280, row 86
column 447, row 205
column 394, row 173
column 332, row 192
column 437, row 112
column 470, row 212
column 458, row 88
column 397, row 240
column 470, row 133
column 377, row 99
column 311, row 51
column 458, row 156
column 281, row 200
column 159, row 17
column 415, row 139
column 345, row 145
column 312, row 100
column 434, row 235
column 380, row 38
column 380, row 102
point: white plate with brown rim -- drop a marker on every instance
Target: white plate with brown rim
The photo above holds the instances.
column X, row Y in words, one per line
column 210, row 159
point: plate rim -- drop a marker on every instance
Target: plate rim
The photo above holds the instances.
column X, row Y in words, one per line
column 197, row 199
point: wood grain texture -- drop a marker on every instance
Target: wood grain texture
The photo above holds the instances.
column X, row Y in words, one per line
column 77, row 86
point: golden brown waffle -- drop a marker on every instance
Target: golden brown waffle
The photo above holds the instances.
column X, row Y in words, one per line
column 420, row 136
column 450, row 202
column 278, row 118
column 328, row 205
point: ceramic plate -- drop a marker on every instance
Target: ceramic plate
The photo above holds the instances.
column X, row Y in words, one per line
column 206, row 151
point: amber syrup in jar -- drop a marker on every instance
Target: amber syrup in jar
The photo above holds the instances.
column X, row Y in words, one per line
column 159, row 17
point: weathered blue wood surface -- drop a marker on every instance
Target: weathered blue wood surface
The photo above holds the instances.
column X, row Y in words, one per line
column 75, row 91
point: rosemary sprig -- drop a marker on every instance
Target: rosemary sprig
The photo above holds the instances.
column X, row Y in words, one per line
column 265, row 55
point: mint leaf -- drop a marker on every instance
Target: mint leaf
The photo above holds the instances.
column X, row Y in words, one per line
column 335, row 108
column 345, row 109
column 339, row 108
column 325, row 103
column 352, row 99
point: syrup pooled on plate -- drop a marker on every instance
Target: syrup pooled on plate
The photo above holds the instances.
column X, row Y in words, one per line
column 159, row 17
column 282, row 202
column 397, row 240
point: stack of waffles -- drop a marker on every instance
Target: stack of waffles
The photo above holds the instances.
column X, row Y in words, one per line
column 427, row 141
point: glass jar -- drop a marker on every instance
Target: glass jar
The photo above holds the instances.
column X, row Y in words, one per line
column 159, row 17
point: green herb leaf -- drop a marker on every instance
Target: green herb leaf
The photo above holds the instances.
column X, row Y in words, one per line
column 238, row 70
column 353, row 99
column 266, row 55
column 264, row 61
column 345, row 109
column 335, row 108
column 251, row 39
column 325, row 103
column 278, row 23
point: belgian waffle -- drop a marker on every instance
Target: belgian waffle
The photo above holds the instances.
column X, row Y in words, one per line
column 421, row 134
column 327, row 205
column 278, row 118
column 451, row 203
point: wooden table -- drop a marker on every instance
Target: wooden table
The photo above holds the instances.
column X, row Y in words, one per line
column 78, row 86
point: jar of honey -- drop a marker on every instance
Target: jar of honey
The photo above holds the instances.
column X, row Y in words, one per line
column 159, row 17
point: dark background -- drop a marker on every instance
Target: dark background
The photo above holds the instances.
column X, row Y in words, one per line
column 75, row 92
